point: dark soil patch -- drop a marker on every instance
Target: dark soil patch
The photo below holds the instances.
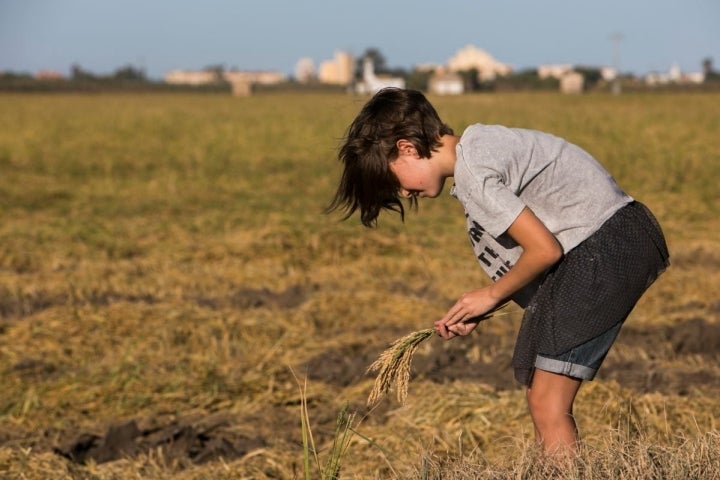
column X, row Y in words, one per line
column 484, row 358
column 16, row 304
column 183, row 441
column 33, row 367
column 676, row 358
column 436, row 360
column 180, row 442
column 19, row 304
column 341, row 366
column 291, row 297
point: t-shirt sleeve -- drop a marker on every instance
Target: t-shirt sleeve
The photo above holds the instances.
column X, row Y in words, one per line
column 488, row 199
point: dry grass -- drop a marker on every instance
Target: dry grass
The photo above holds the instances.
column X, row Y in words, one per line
column 687, row 458
column 163, row 260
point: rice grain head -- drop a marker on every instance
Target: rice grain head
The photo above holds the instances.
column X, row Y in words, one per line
column 393, row 365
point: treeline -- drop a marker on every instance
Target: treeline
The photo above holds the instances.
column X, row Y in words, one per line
column 134, row 79
column 127, row 78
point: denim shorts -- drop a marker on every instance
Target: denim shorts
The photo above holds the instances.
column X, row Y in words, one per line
column 583, row 361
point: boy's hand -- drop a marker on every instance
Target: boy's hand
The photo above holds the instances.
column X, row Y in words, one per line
column 458, row 321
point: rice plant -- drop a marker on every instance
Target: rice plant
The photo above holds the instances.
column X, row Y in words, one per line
column 341, row 440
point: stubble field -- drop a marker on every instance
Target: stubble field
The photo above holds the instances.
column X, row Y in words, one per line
column 168, row 283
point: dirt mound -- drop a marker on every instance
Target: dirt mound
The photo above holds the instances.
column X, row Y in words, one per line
column 675, row 358
column 341, row 366
column 481, row 358
column 254, row 298
column 186, row 440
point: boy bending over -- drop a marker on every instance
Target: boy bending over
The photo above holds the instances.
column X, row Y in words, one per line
column 547, row 223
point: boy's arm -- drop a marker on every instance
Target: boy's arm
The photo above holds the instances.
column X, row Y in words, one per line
column 540, row 251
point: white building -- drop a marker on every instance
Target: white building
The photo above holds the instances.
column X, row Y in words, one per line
column 553, row 71
column 470, row 57
column 609, row 74
column 675, row 76
column 262, row 77
column 305, row 70
column 446, row 83
column 190, row 77
column 372, row 83
column 204, row 77
column 572, row 82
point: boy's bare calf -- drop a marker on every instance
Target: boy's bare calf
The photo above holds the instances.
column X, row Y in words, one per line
column 550, row 399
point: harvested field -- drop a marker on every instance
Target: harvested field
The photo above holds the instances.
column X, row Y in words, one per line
column 166, row 273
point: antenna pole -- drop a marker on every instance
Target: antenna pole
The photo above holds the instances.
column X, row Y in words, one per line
column 616, row 38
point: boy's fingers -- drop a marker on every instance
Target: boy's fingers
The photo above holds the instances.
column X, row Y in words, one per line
column 453, row 316
column 457, row 318
column 443, row 330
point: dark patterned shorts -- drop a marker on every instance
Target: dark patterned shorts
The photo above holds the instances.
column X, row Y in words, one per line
column 591, row 291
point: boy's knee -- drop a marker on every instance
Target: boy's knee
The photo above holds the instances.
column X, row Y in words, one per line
column 544, row 406
column 536, row 398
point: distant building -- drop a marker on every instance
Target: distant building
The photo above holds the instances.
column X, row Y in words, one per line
column 446, row 83
column 553, row 71
column 204, row 77
column 694, row 77
column 372, row 83
column 572, row 82
column 608, row 74
column 190, row 77
column 339, row 71
column 49, row 75
column 262, row 77
column 674, row 76
column 241, row 81
column 470, row 57
column 428, row 67
column 305, row 70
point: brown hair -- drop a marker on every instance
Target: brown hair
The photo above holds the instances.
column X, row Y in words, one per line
column 370, row 145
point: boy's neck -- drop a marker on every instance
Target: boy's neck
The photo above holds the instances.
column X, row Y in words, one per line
column 446, row 155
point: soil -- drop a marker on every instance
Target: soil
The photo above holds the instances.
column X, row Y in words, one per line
column 678, row 358
column 453, row 360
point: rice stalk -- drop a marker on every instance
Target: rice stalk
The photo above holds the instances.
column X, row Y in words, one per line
column 309, row 450
column 341, row 441
column 393, row 365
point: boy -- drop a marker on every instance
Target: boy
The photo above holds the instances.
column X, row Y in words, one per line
column 547, row 223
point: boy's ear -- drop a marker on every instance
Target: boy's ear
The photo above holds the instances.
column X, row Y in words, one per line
column 406, row 147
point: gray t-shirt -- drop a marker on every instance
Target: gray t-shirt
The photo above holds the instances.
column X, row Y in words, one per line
column 501, row 170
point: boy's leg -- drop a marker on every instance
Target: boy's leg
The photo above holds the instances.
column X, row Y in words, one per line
column 550, row 399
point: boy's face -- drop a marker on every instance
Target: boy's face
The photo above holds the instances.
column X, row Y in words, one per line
column 419, row 177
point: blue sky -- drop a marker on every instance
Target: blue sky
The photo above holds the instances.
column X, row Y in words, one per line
column 162, row 35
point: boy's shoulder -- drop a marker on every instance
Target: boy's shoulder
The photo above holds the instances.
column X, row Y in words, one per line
column 484, row 137
column 480, row 129
column 479, row 137
column 484, row 130
column 478, row 134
